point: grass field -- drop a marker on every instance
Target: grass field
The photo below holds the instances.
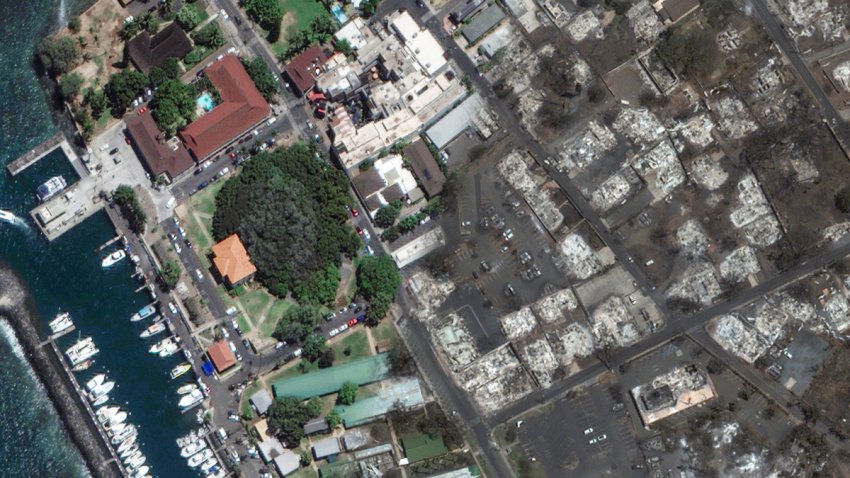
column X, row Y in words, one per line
column 356, row 341
column 297, row 16
column 385, row 331
column 275, row 313
column 255, row 303
column 201, row 12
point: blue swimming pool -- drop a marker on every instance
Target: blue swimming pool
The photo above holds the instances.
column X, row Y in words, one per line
column 339, row 14
column 206, row 102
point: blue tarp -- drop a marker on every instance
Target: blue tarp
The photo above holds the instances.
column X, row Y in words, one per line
column 207, row 367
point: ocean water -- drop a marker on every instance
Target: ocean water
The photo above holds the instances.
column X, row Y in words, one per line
column 66, row 275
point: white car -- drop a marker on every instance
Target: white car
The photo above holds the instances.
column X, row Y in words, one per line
column 231, row 345
column 223, row 172
column 333, row 332
column 298, row 352
column 342, row 328
column 224, row 333
column 172, row 308
column 199, row 275
column 602, row 437
column 223, row 14
column 592, row 441
column 588, row 431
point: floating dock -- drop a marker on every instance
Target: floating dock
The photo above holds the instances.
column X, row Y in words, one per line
column 31, row 157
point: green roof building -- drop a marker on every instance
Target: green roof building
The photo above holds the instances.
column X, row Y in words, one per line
column 322, row 382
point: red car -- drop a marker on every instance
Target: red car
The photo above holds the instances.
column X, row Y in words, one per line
column 359, row 231
column 355, row 212
column 352, row 322
column 232, row 155
column 143, row 109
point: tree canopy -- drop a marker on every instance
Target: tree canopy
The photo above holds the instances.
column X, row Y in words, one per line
column 378, row 281
column 122, row 88
column 188, row 17
column 173, row 106
column 687, row 52
column 170, row 273
column 297, row 323
column 347, row 393
column 386, row 215
column 289, row 211
column 59, row 55
column 169, row 70
column 262, row 77
column 314, row 346
column 287, row 416
column 268, row 13
column 128, row 202
column 209, row 36
column 69, row 85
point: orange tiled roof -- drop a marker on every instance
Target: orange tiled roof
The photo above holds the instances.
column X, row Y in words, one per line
column 232, row 260
column 221, row 355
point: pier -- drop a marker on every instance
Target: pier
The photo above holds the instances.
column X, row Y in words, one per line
column 32, row 156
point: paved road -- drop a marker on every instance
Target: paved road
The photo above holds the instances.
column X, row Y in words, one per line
column 787, row 47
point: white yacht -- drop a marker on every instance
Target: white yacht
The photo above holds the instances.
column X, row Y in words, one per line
column 207, row 465
column 157, row 347
column 141, row 471
column 170, row 348
column 81, row 351
column 100, row 401
column 126, row 433
column 186, row 388
column 119, row 417
column 101, row 390
column 127, row 444
column 198, row 458
column 188, row 401
column 129, row 451
column 113, row 258
column 61, row 323
column 193, row 448
column 50, row 188
column 105, row 413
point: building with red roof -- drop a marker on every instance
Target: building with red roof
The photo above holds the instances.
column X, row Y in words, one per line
column 242, row 108
column 302, row 71
column 159, row 155
column 221, row 356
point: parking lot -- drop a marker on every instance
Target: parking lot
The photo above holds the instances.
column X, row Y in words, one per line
column 584, row 433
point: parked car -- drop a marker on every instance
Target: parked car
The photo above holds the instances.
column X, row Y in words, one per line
column 333, row 332
column 342, row 328
column 199, row 275
column 352, row 322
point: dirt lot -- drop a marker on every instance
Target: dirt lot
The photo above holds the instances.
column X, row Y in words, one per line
column 830, row 390
column 100, row 26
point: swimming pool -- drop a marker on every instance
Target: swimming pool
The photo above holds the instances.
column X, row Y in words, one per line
column 205, row 101
column 339, row 14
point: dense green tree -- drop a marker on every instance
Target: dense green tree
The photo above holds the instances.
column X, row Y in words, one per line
column 347, row 393
column 314, row 346
column 128, row 202
column 59, row 55
column 368, row 7
column 400, row 360
column 322, row 28
column 287, row 416
column 319, row 287
column 169, row 70
column 188, row 17
column 122, row 88
column 314, row 407
column 344, row 47
column 173, row 106
column 378, row 281
column 297, row 323
column 289, row 211
column 96, row 100
column 333, row 419
column 209, row 36
column 327, row 358
column 386, row 215
column 305, row 458
column 267, row 13
column 69, row 85
column 74, row 24
column 84, row 119
column 170, row 273
column 262, row 77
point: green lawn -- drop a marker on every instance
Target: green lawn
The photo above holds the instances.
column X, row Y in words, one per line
column 244, row 324
column 385, row 331
column 275, row 313
column 194, row 230
column 303, row 11
column 204, row 201
column 356, row 340
column 255, row 303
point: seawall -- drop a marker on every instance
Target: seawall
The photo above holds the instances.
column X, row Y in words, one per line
column 17, row 307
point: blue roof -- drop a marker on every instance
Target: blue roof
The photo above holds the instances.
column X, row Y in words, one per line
column 207, row 367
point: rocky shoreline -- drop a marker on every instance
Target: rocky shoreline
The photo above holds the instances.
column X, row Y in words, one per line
column 16, row 306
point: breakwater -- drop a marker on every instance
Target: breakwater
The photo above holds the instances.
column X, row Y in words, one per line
column 17, row 308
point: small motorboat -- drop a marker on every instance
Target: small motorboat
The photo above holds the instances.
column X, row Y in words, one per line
column 180, row 370
column 105, row 413
column 101, row 390
column 190, row 400
column 100, row 401
column 141, row 471
column 95, row 381
column 119, row 417
column 113, row 258
column 124, row 434
column 7, row 217
column 127, row 444
column 83, row 366
column 129, row 451
column 143, row 313
column 207, row 465
column 154, row 329
column 186, row 388
column 170, row 348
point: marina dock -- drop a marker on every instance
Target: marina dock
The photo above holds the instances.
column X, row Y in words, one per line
column 32, row 156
